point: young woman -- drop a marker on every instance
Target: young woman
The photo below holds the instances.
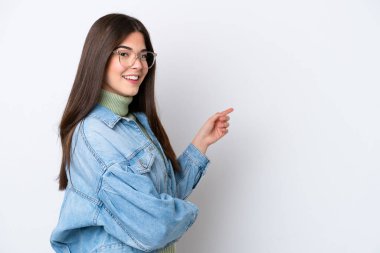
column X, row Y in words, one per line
column 125, row 189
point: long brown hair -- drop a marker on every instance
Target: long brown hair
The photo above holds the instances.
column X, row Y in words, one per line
column 104, row 35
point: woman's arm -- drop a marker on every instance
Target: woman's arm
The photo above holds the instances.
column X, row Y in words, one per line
column 193, row 160
column 212, row 131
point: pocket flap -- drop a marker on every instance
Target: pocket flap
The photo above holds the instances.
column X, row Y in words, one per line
column 142, row 162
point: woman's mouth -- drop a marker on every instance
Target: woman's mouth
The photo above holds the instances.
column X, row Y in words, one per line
column 132, row 78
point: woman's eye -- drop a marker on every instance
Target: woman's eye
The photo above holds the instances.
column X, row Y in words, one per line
column 144, row 56
column 124, row 54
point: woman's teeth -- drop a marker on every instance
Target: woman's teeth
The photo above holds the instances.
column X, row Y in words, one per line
column 131, row 77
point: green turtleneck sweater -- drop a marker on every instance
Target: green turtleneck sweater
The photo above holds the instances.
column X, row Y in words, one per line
column 119, row 105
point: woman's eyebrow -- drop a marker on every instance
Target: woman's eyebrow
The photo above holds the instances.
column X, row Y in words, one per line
column 122, row 46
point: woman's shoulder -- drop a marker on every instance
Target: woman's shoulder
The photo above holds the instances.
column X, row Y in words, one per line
column 101, row 116
column 108, row 141
column 96, row 127
column 100, row 132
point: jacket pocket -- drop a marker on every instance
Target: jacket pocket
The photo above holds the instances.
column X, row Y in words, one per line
column 142, row 162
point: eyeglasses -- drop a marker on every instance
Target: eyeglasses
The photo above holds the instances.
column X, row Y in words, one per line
column 127, row 57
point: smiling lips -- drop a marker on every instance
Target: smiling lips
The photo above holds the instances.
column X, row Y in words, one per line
column 131, row 77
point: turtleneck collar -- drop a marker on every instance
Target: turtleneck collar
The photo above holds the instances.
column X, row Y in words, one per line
column 116, row 103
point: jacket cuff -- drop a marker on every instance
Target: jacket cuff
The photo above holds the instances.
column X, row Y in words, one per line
column 197, row 156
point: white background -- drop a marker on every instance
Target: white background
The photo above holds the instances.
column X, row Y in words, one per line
column 298, row 171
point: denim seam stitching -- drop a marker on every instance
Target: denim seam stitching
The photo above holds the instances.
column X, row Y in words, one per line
column 85, row 196
column 110, row 124
column 93, row 152
column 100, row 181
column 186, row 171
column 122, row 226
column 97, row 213
column 137, row 151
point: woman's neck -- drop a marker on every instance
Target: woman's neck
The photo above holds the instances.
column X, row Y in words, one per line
column 116, row 103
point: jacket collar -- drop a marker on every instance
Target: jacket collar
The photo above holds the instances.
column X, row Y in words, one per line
column 110, row 118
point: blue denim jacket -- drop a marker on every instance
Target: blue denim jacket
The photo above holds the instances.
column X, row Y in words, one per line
column 122, row 194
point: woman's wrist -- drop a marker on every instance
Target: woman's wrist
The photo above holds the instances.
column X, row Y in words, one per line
column 201, row 146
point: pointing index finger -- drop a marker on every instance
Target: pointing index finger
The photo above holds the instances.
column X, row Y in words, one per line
column 229, row 110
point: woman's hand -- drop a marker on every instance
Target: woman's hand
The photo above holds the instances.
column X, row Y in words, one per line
column 213, row 130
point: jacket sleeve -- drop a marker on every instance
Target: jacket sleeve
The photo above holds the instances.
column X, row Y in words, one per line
column 137, row 214
column 193, row 166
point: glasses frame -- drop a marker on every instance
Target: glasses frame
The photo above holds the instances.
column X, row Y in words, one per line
column 137, row 55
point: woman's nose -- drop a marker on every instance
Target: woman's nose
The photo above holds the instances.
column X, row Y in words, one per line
column 137, row 63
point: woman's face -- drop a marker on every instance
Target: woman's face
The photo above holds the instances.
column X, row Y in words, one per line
column 118, row 78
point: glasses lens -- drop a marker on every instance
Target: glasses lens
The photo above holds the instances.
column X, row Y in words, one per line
column 149, row 57
column 127, row 58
